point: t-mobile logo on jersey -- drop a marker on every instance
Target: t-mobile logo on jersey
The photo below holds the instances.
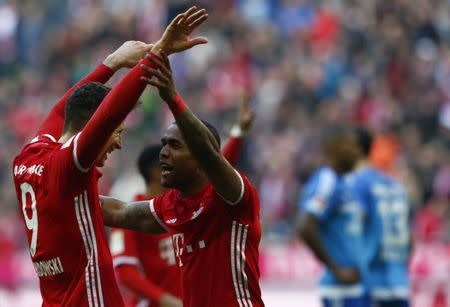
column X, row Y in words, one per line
column 178, row 242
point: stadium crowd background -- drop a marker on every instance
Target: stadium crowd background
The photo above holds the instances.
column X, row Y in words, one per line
column 306, row 64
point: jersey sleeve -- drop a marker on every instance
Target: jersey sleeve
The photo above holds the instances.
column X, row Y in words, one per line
column 317, row 199
column 110, row 114
column 123, row 245
column 156, row 209
column 54, row 122
column 232, row 149
column 247, row 206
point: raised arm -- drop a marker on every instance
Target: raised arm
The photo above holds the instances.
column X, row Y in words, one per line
column 127, row 55
column 123, row 97
column 233, row 147
column 201, row 143
column 135, row 215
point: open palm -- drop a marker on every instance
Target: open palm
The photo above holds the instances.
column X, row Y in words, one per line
column 176, row 36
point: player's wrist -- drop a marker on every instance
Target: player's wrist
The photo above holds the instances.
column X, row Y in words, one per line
column 237, row 131
column 113, row 62
column 157, row 48
column 176, row 104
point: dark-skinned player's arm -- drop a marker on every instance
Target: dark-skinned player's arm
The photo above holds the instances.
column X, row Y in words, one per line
column 316, row 205
column 308, row 230
column 233, row 147
column 123, row 97
column 134, row 215
column 127, row 55
column 201, row 143
column 176, row 38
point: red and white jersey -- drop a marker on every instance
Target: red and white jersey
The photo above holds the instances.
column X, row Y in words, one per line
column 64, row 225
column 216, row 245
column 153, row 253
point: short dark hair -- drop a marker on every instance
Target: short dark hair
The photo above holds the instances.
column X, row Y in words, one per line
column 82, row 104
column 213, row 131
column 364, row 139
column 148, row 158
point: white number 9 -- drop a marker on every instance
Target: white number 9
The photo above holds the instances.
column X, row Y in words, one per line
column 32, row 224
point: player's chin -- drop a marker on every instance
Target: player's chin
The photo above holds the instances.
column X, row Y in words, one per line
column 167, row 182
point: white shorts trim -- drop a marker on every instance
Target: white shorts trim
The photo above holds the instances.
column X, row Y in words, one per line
column 390, row 293
column 340, row 292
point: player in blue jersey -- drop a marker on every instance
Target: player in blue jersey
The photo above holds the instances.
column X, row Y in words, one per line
column 386, row 232
column 330, row 222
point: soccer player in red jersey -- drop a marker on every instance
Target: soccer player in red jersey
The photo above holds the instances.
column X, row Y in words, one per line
column 159, row 280
column 56, row 175
column 212, row 210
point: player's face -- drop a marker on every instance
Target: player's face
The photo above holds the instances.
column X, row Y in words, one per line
column 178, row 167
column 114, row 142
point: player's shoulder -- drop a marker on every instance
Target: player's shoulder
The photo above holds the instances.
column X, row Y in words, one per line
column 35, row 151
column 38, row 143
column 324, row 176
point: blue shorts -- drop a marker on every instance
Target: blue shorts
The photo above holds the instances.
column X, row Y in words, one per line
column 345, row 302
column 390, row 303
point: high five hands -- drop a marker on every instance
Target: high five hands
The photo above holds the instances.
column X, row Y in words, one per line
column 176, row 37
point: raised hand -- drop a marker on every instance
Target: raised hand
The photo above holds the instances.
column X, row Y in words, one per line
column 246, row 116
column 176, row 36
column 162, row 77
column 127, row 55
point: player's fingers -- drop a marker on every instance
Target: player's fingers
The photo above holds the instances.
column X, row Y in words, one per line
column 196, row 22
column 148, row 47
column 197, row 41
column 155, row 61
column 189, row 19
column 245, row 101
column 176, row 20
column 188, row 13
column 152, row 82
column 166, row 62
column 156, row 73
column 161, row 66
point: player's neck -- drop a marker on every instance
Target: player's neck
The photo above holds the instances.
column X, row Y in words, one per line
column 154, row 189
column 363, row 163
column 193, row 188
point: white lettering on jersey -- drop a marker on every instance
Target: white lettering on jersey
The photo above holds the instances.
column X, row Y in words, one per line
column 178, row 240
column 197, row 212
column 33, row 170
column 49, row 267
column 171, row 221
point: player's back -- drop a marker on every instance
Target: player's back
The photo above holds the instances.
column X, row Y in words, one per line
column 386, row 233
column 326, row 196
column 64, row 226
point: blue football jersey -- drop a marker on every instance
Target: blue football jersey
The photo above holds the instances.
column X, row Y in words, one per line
column 328, row 197
column 386, row 233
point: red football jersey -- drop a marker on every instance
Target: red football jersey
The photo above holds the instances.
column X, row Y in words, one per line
column 216, row 245
column 64, row 225
column 152, row 253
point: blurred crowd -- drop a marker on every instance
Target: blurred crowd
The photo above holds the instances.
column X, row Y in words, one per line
column 306, row 64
